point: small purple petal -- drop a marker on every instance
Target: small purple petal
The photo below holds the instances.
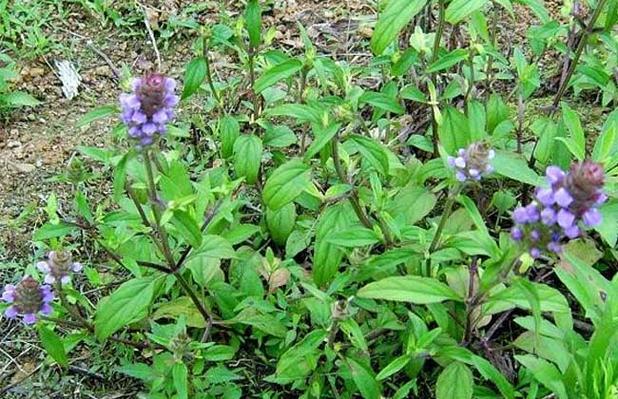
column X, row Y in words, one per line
column 149, row 129
column 43, row 267
column 450, row 161
column 516, row 233
column 160, row 116
column 460, row 176
column 535, row 253
column 533, row 212
column 592, row 217
column 535, row 235
column 554, row 174
column 563, row 198
column 565, row 218
column 46, row 309
column 474, row 173
column 29, row 318
column 139, row 118
column 554, row 247
column 545, row 196
column 77, row 267
column 460, row 162
column 572, row 232
column 520, row 216
column 11, row 312
column 49, row 279
column 8, row 295
column 548, row 216
column 65, row 280
column 601, row 198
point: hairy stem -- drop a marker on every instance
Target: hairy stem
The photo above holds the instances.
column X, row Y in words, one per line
column 448, row 207
column 434, row 76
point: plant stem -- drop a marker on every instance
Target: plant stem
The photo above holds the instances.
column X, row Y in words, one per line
column 215, row 93
column 448, row 207
column 254, row 96
column 434, row 76
column 578, row 52
column 200, row 307
column 167, row 253
column 469, row 304
column 354, row 200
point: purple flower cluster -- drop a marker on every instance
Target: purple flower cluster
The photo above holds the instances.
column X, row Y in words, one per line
column 473, row 162
column 150, row 107
column 58, row 267
column 555, row 215
column 27, row 299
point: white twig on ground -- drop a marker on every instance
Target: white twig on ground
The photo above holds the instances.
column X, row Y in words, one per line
column 152, row 37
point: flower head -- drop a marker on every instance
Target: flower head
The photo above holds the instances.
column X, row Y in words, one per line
column 150, row 107
column 555, row 216
column 27, row 299
column 58, row 267
column 473, row 162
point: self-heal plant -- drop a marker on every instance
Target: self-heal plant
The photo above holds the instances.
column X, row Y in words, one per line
column 558, row 211
column 58, row 267
column 150, row 107
column 27, row 299
column 472, row 163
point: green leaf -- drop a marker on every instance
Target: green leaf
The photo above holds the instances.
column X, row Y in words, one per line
column 127, row 304
column 279, row 136
column 181, row 382
column 302, row 112
column 248, row 157
column 286, row 183
column 609, row 224
column 323, row 135
column 229, row 130
column 97, row 113
column 413, row 289
column 448, row 60
column 396, row 16
column 545, row 372
column 393, row 367
column 194, row 76
column 253, row 19
column 458, row 10
column 327, row 256
column 577, row 141
column 382, row 101
column 19, row 99
column 413, row 93
column 214, row 246
column 373, row 152
column 49, row 230
column 356, row 236
column 277, row 73
column 188, row 227
column 455, row 382
column 53, row 345
column 120, row 176
column 281, row 222
column 300, row 360
column 264, row 322
column 364, row 380
column 454, row 131
column 515, row 167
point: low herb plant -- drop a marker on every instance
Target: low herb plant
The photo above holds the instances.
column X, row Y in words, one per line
column 333, row 230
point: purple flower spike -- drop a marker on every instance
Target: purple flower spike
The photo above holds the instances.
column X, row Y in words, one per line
column 149, row 108
column 570, row 203
column 28, row 298
column 471, row 163
column 59, row 267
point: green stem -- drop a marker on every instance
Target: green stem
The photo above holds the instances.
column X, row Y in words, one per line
column 354, row 200
column 254, row 96
column 215, row 93
column 200, row 307
column 448, row 207
column 434, row 76
column 167, row 253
